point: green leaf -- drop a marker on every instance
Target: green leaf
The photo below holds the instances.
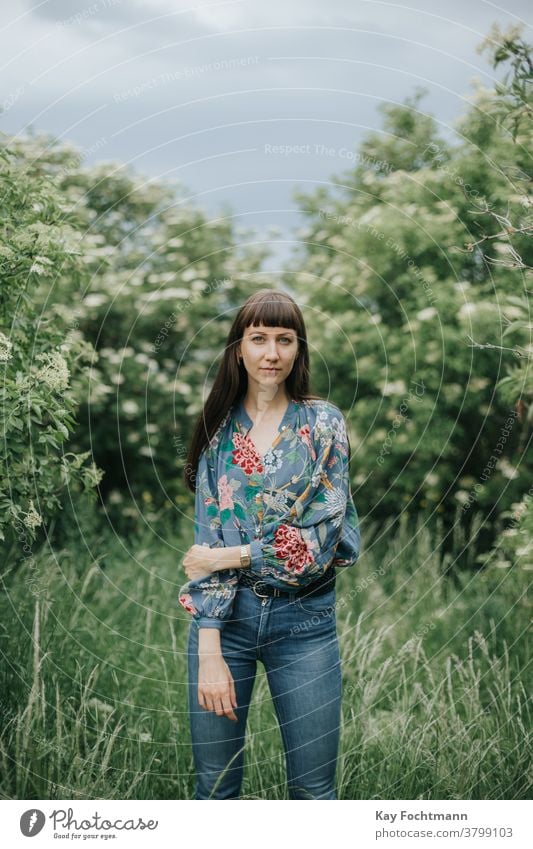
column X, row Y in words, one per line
column 239, row 511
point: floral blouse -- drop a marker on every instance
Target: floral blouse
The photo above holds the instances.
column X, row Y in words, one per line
column 293, row 505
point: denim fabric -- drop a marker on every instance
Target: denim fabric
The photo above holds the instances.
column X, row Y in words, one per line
column 296, row 640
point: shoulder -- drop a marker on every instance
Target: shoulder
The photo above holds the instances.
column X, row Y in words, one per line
column 325, row 420
column 319, row 409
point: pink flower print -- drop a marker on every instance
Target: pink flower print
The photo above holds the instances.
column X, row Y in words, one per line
column 305, row 434
column 225, row 494
column 289, row 545
column 325, row 481
column 186, row 602
column 245, row 454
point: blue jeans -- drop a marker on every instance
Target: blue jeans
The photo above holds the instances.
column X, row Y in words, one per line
column 296, row 640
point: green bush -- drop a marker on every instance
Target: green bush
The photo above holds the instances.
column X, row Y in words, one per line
column 42, row 357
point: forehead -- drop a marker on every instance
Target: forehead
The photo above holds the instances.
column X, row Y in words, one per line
column 268, row 331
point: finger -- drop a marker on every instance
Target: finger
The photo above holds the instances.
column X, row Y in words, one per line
column 232, row 693
column 218, row 707
column 207, row 700
column 228, row 710
column 201, row 698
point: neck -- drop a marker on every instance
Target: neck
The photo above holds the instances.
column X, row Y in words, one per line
column 265, row 399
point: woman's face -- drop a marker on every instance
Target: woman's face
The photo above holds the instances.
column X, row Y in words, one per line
column 268, row 353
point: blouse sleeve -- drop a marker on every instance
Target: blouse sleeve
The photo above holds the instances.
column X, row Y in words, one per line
column 209, row 599
column 322, row 527
column 347, row 552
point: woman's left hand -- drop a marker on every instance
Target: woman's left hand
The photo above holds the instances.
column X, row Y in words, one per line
column 200, row 561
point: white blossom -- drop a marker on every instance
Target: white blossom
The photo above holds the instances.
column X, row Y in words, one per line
column 32, row 519
column 95, row 300
column 54, row 373
column 427, row 313
column 5, row 348
column 130, row 407
column 395, row 387
column 467, row 309
column 146, row 451
column 507, row 470
column 41, row 265
column 93, row 474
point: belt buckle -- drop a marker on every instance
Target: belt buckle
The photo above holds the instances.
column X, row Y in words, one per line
column 254, row 588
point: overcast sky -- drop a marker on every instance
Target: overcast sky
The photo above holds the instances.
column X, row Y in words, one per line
column 215, row 95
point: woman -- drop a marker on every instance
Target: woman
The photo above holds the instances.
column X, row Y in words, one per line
column 273, row 518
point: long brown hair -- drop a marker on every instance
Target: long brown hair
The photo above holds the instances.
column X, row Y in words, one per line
column 271, row 309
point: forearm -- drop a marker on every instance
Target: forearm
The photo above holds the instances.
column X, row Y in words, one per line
column 229, row 557
column 209, row 642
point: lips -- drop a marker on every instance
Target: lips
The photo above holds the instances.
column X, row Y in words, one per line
column 270, row 369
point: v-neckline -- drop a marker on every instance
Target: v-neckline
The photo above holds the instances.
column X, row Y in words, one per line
column 245, row 418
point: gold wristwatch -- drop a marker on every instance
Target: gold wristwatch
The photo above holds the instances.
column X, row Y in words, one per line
column 245, row 558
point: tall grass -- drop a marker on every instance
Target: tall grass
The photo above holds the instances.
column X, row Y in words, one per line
column 93, row 678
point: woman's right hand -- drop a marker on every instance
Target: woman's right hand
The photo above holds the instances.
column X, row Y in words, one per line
column 216, row 690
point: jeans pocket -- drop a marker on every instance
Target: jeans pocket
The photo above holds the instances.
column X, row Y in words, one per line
column 319, row 605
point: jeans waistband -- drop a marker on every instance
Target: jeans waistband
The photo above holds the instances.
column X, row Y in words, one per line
column 263, row 589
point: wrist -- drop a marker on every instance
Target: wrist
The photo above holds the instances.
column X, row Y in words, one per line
column 208, row 641
column 245, row 557
column 229, row 557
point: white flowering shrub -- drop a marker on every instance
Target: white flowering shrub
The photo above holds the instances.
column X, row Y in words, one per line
column 41, row 355
column 155, row 290
column 418, row 298
column 158, row 318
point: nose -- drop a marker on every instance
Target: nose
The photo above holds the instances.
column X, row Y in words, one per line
column 272, row 352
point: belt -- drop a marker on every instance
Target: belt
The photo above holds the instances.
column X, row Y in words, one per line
column 264, row 590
